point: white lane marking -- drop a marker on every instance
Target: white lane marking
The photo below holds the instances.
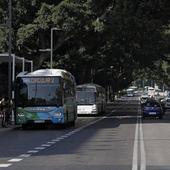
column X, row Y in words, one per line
column 32, row 151
column 25, row 155
column 15, row 160
column 142, row 148
column 66, row 136
column 135, row 149
column 51, row 142
column 120, row 117
column 5, row 165
column 39, row 148
column 55, row 140
column 70, row 132
column 45, row 145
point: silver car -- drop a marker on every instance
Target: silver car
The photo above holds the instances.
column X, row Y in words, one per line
column 167, row 103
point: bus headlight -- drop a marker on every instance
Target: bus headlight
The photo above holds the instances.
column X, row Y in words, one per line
column 94, row 108
column 58, row 114
column 21, row 114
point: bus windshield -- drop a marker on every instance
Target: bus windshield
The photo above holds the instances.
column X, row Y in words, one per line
column 38, row 93
column 85, row 98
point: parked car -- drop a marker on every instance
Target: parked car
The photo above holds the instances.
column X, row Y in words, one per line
column 167, row 102
column 152, row 108
column 130, row 92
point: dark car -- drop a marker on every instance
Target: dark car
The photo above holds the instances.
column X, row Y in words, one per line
column 152, row 108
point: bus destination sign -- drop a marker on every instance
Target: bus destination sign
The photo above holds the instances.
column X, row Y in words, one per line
column 42, row 80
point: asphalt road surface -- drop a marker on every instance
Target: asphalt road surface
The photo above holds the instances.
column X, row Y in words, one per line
column 118, row 140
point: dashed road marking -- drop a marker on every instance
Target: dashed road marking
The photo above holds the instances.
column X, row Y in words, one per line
column 39, row 148
column 55, row 140
column 65, row 136
column 33, row 151
column 48, row 144
column 51, row 142
column 45, row 145
column 25, row 155
column 15, row 160
column 5, row 165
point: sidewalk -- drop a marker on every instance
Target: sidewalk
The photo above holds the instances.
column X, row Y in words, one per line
column 11, row 126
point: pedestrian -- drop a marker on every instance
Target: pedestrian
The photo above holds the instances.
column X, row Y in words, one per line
column 2, row 103
column 1, row 107
column 6, row 109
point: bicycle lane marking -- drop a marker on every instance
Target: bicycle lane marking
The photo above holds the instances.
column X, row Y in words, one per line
column 29, row 153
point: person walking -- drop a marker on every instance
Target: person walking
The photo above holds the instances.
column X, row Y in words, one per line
column 2, row 107
column 6, row 110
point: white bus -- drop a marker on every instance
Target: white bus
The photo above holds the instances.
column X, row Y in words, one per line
column 130, row 92
column 91, row 99
column 151, row 92
column 45, row 96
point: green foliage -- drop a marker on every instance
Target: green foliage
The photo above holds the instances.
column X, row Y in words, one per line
column 109, row 42
column 44, row 16
column 25, row 32
column 2, row 40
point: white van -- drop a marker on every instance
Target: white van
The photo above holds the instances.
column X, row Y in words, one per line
column 151, row 92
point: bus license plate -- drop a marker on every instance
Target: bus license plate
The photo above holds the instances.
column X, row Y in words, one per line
column 39, row 121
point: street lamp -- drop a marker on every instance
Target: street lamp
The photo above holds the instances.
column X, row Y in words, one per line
column 9, row 26
column 52, row 29
column 10, row 47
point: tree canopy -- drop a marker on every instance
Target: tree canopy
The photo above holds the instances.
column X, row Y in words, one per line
column 107, row 42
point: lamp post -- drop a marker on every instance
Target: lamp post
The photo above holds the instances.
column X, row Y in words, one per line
column 51, row 61
column 9, row 47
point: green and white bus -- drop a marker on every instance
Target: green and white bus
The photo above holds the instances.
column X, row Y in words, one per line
column 45, row 96
column 91, row 99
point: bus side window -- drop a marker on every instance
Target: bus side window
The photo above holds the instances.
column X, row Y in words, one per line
column 67, row 88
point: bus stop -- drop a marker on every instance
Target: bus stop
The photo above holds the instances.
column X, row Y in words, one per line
column 15, row 60
column 4, row 58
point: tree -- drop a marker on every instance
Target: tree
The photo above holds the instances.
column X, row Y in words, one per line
column 94, row 35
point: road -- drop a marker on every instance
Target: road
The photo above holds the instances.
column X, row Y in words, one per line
column 118, row 140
